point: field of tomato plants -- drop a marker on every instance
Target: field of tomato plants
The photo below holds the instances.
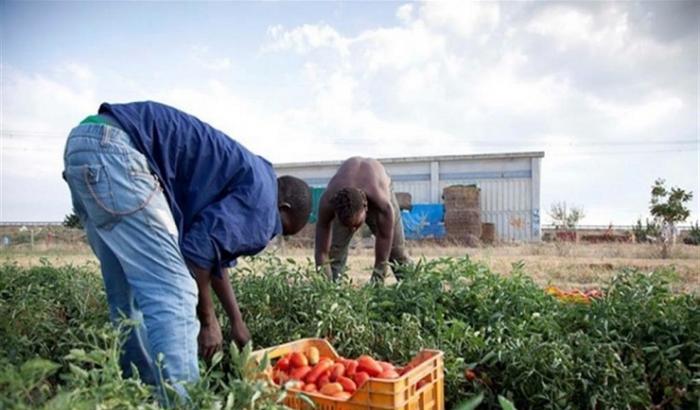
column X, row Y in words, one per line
column 636, row 345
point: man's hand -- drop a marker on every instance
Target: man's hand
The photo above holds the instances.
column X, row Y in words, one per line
column 379, row 273
column 210, row 339
column 325, row 270
column 240, row 333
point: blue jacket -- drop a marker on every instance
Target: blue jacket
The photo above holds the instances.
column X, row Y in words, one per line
column 222, row 196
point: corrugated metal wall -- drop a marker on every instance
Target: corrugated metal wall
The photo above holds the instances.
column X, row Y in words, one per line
column 507, row 203
column 509, row 186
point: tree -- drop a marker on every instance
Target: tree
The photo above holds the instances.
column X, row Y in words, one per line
column 668, row 207
column 72, row 221
column 564, row 218
column 648, row 233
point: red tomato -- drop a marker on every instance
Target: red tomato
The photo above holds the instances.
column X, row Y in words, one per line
column 298, row 360
column 388, row 374
column 331, row 389
column 323, row 380
column 338, row 370
column 348, row 385
column 310, row 388
column 361, row 378
column 387, row 366
column 299, row 373
column 368, row 365
column 469, row 374
column 283, row 364
column 351, row 368
column 343, row 395
column 318, row 370
column 279, row 377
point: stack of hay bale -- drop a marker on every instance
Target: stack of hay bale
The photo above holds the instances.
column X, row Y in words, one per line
column 462, row 214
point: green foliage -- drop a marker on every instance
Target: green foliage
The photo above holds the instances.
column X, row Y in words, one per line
column 668, row 205
column 637, row 347
column 693, row 235
column 565, row 218
column 647, row 232
column 45, row 310
column 72, row 221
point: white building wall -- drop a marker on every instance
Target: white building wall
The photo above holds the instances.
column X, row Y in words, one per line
column 509, row 183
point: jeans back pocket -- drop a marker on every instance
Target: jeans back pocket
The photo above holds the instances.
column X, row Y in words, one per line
column 108, row 192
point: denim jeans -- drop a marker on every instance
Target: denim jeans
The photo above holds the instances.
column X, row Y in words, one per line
column 131, row 229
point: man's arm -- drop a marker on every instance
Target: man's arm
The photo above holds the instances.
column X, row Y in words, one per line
column 209, row 338
column 323, row 236
column 383, row 240
column 227, row 297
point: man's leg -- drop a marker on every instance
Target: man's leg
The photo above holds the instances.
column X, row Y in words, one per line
column 340, row 244
column 378, row 274
column 132, row 218
column 398, row 258
column 122, row 305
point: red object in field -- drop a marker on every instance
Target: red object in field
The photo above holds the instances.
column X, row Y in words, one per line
column 388, row 374
column 338, row 370
column 331, row 389
column 298, row 360
column 387, row 366
column 348, row 385
column 361, row 378
column 299, row 373
column 351, row 368
column 369, row 365
column 283, row 364
column 318, row 370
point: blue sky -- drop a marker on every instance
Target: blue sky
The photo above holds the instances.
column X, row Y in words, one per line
column 609, row 90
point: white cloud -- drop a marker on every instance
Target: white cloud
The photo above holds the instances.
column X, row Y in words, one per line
column 405, row 13
column 607, row 33
column 38, row 112
column 399, row 47
column 463, row 18
column 201, row 55
column 502, row 88
column 653, row 111
column 567, row 26
column 80, row 72
column 306, row 38
column 47, row 102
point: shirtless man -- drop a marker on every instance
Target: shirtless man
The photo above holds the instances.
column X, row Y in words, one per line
column 360, row 192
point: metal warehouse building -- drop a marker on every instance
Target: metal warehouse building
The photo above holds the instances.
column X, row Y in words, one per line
column 509, row 183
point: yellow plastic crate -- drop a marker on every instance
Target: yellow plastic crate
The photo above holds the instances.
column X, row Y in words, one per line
column 385, row 394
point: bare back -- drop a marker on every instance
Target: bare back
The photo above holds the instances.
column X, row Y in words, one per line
column 366, row 174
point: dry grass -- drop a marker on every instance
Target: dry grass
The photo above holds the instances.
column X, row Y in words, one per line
column 565, row 265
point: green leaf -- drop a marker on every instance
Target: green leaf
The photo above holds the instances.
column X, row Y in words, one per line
column 78, row 371
column 505, row 403
column 472, row 403
column 306, row 399
column 216, row 359
column 230, row 401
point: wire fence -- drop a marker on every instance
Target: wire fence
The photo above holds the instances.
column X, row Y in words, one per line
column 39, row 235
